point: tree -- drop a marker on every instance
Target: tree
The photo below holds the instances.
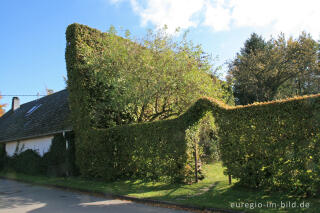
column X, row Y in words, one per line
column 278, row 68
column 304, row 56
column 256, row 71
column 252, row 45
column 154, row 78
column 1, row 107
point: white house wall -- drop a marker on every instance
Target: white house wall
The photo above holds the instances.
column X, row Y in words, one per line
column 41, row 145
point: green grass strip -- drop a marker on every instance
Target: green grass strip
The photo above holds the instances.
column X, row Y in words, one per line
column 214, row 192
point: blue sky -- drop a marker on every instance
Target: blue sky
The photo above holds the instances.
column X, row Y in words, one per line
column 33, row 32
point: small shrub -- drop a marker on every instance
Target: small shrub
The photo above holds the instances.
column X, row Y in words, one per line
column 55, row 158
column 3, row 156
column 27, row 162
column 58, row 161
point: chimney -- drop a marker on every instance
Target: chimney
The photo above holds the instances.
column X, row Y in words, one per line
column 15, row 103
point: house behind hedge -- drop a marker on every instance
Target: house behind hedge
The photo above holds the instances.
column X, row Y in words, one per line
column 33, row 125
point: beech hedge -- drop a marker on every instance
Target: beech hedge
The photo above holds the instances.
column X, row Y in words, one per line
column 156, row 150
column 272, row 145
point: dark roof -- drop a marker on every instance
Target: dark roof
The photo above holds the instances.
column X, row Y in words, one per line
column 51, row 116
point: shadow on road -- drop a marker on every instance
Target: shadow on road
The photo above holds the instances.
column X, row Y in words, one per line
column 20, row 197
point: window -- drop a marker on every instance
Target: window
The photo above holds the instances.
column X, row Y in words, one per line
column 34, row 108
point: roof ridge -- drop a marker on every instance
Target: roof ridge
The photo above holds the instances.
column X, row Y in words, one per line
column 36, row 100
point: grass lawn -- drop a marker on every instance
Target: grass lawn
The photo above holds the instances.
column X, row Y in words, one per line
column 214, row 191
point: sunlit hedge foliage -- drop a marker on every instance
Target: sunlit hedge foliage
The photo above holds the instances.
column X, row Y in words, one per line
column 273, row 145
column 150, row 150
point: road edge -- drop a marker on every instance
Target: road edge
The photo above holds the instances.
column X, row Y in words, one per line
column 147, row 201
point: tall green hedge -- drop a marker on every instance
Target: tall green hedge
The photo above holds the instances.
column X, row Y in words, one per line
column 162, row 150
column 273, row 145
column 136, row 151
column 154, row 150
column 266, row 145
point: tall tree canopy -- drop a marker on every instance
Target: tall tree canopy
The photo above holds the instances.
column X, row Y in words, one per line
column 305, row 55
column 277, row 68
column 153, row 78
column 1, row 107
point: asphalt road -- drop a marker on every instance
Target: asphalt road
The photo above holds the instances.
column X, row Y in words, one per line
column 16, row 197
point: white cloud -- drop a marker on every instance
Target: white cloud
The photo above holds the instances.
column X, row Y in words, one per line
column 288, row 16
column 173, row 13
column 217, row 16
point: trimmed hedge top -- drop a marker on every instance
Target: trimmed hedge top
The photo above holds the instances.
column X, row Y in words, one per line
column 228, row 107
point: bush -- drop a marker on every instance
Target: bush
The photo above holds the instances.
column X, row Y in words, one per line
column 58, row 161
column 55, row 158
column 3, row 155
column 27, row 162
